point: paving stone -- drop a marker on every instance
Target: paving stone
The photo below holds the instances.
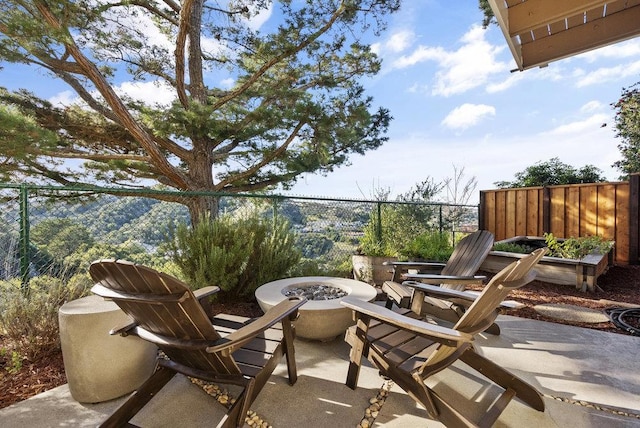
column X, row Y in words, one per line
column 571, row 313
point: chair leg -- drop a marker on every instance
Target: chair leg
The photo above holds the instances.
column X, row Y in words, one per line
column 493, row 329
column 236, row 415
column 357, row 351
column 525, row 392
column 140, row 398
column 289, row 351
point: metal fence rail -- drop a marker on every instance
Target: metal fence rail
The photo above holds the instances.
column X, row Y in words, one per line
column 44, row 229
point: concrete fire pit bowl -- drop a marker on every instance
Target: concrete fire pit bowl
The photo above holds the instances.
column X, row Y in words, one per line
column 319, row 319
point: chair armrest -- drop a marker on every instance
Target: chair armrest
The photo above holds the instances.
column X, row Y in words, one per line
column 436, row 332
column 442, row 293
column 273, row 316
column 464, row 298
column 400, row 269
column 123, row 330
column 446, row 279
column 415, row 265
column 206, row 291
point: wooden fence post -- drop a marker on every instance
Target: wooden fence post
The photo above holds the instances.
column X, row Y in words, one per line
column 481, row 208
column 546, row 210
column 634, row 226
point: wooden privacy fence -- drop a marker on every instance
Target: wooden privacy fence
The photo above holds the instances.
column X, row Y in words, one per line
column 609, row 210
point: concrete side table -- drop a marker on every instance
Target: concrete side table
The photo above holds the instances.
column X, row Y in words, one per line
column 100, row 367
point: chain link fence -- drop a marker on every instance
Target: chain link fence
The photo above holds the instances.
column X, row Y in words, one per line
column 57, row 230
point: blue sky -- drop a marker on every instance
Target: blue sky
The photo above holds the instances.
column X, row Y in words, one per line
column 455, row 103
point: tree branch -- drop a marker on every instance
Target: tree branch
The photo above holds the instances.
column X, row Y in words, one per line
column 265, row 160
column 181, row 41
column 278, row 58
column 120, row 110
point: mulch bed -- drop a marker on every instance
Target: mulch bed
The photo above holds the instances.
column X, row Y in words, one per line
column 619, row 284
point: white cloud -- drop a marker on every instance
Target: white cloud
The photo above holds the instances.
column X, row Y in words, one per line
column 399, row 41
column 609, row 74
column 630, row 48
column 257, row 21
column 421, row 54
column 63, row 99
column 591, row 106
column 227, row 83
column 579, row 127
column 555, row 73
column 150, row 93
column 463, row 69
column 467, row 115
column 505, row 84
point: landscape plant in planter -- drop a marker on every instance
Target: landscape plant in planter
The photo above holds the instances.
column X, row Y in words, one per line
column 572, row 261
column 432, row 246
column 371, row 255
column 392, row 226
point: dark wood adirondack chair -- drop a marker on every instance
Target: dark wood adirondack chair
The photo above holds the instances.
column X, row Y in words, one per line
column 225, row 349
column 408, row 350
column 458, row 272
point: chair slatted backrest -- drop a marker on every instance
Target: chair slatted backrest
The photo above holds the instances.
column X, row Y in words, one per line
column 482, row 313
column 467, row 256
column 163, row 305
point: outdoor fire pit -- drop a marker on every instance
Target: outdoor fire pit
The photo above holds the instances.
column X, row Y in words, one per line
column 322, row 317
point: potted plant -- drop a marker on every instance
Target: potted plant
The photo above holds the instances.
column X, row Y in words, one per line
column 373, row 251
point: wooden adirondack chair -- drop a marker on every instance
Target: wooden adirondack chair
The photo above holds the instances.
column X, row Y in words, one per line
column 408, row 350
column 459, row 271
column 227, row 349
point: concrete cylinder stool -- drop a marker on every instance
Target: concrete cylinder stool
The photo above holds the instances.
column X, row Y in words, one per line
column 100, row 367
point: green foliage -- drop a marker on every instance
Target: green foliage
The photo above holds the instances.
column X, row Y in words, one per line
column 628, row 130
column 296, row 104
column 16, row 361
column 553, row 172
column 57, row 239
column 577, row 248
column 433, row 246
column 314, row 245
column 30, row 322
column 489, row 17
column 130, row 250
column 374, row 242
column 388, row 236
column 236, row 254
column 510, row 247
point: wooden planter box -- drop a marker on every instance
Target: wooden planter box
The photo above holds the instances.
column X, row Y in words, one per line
column 583, row 273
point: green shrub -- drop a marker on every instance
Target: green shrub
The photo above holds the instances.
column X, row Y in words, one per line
column 434, row 246
column 30, row 321
column 237, row 255
column 375, row 242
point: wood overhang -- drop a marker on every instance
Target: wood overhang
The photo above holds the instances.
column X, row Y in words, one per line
column 541, row 31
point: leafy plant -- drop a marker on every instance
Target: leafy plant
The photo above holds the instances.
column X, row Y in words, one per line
column 390, row 226
column 553, row 172
column 236, row 254
column 577, row 248
column 30, row 321
column 434, row 246
column 511, row 247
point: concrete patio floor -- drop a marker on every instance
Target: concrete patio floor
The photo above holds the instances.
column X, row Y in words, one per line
column 586, row 376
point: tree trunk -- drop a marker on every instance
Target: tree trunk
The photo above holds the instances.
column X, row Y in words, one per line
column 203, row 207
